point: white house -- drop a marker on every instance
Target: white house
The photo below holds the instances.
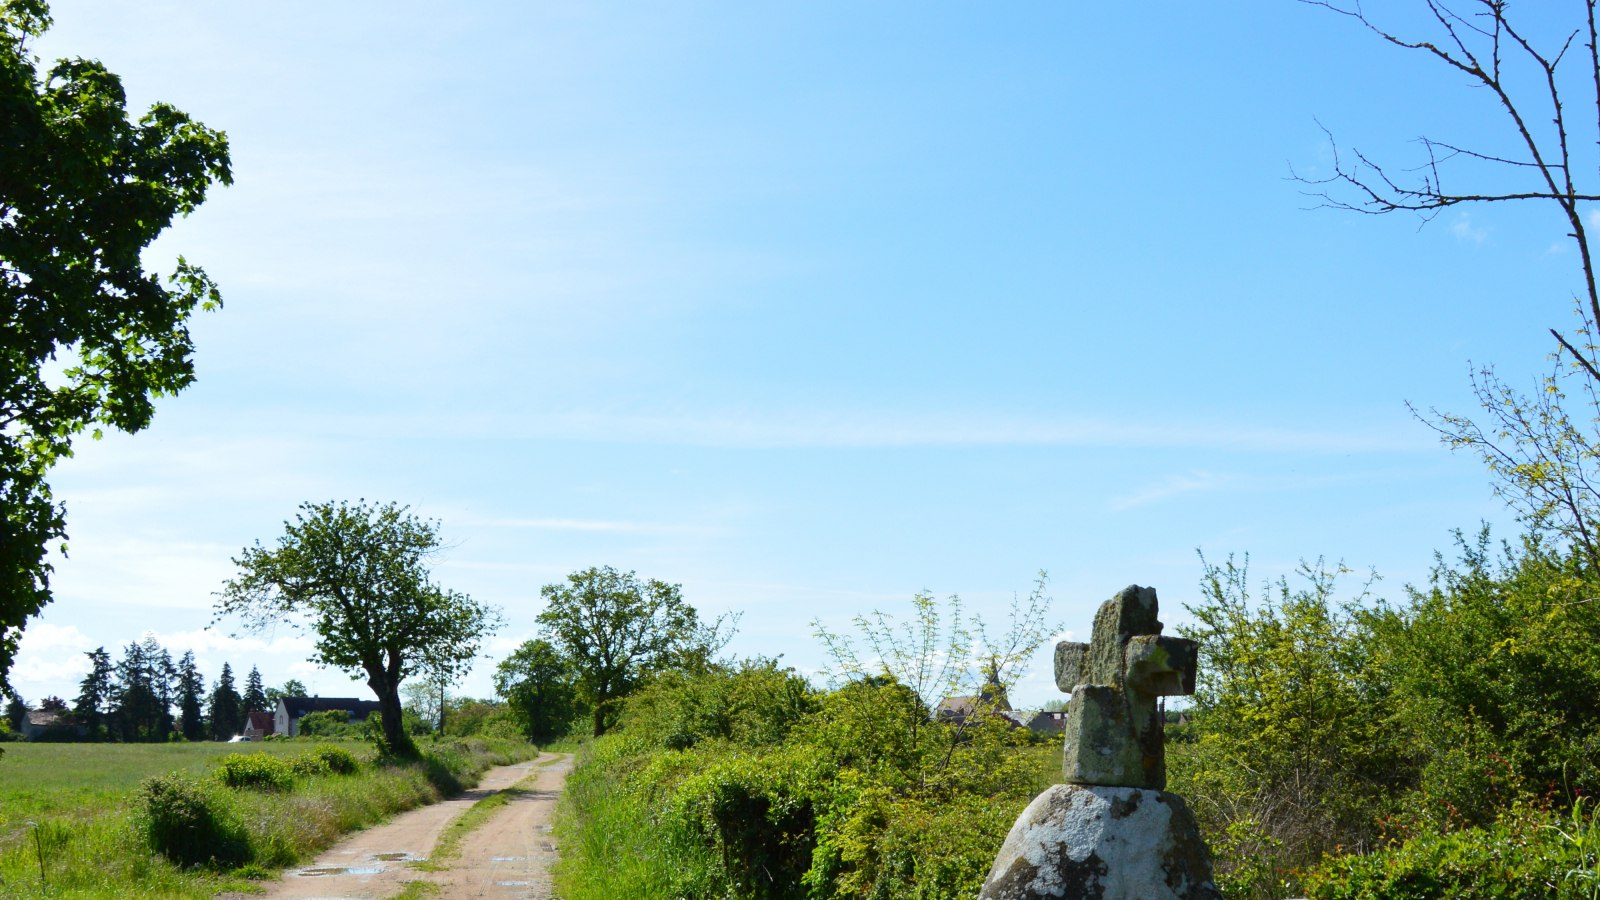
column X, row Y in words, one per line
column 286, row 719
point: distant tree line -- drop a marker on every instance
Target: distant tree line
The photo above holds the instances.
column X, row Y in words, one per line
column 146, row 697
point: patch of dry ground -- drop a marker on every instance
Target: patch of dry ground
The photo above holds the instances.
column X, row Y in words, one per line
column 510, row 855
column 372, row 864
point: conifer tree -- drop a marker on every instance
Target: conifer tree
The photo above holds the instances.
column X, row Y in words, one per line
column 16, row 711
column 225, row 706
column 138, row 709
column 163, row 675
column 94, row 691
column 191, row 690
column 255, row 697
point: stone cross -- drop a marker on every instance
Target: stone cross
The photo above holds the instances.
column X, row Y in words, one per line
column 1114, row 730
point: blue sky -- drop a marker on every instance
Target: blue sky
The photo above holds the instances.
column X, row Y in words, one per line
column 804, row 306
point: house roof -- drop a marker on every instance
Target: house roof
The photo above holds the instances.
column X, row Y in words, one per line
column 43, row 717
column 299, row 706
column 261, row 721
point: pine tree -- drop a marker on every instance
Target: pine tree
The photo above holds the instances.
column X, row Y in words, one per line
column 135, row 713
column 162, row 676
column 255, row 698
column 16, row 711
column 94, row 691
column 225, row 705
column 191, row 690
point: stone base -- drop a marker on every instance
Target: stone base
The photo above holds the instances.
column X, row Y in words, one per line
column 1085, row 842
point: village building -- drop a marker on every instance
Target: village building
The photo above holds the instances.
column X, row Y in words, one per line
column 259, row 725
column 991, row 700
column 39, row 722
column 286, row 719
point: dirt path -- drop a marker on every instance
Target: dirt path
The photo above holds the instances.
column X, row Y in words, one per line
column 371, row 864
column 510, row 856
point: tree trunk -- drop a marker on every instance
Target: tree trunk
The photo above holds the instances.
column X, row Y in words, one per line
column 599, row 719
column 394, row 728
column 388, row 690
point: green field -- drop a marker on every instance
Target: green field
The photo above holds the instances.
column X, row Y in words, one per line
column 86, row 797
column 40, row 782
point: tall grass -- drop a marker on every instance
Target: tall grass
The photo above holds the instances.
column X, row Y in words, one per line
column 95, row 849
column 613, row 844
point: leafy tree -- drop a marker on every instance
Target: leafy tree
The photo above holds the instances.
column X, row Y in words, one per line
column 1297, row 748
column 614, row 631
column 423, row 700
column 359, row 575
column 255, row 699
column 94, row 691
column 83, row 190
column 291, row 688
column 191, row 691
column 540, row 688
column 226, row 707
column 16, row 711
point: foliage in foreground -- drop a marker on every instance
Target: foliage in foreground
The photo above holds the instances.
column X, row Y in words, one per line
column 247, row 831
column 1341, row 729
column 90, row 338
column 745, row 782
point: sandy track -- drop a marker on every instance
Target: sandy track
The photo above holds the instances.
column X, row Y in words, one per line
column 371, row 864
column 510, row 855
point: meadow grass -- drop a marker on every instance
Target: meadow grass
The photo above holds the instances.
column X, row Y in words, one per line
column 81, row 796
column 84, row 781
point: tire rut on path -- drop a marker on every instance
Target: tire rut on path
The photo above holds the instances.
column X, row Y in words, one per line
column 371, row 864
column 510, row 855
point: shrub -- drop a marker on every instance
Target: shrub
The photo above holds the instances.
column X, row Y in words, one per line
column 337, row 760
column 255, row 770
column 308, row 765
column 184, row 823
column 1521, row 857
column 327, row 723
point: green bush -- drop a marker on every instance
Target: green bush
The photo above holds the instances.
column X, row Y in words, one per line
column 337, row 760
column 328, row 723
column 189, row 826
column 743, row 783
column 324, row 759
column 255, row 770
column 1525, row 856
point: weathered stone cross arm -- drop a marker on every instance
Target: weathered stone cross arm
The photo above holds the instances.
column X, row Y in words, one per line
column 1153, row 664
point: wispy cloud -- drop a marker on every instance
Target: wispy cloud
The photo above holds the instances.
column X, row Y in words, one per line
column 585, row 525
column 1464, row 230
column 780, row 429
column 1172, row 487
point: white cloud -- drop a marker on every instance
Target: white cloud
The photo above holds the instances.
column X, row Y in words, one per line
column 42, row 636
column 38, row 670
column 1463, row 229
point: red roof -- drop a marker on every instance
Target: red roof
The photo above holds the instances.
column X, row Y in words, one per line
column 262, row 722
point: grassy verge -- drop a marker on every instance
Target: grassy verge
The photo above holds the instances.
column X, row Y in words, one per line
column 93, row 847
